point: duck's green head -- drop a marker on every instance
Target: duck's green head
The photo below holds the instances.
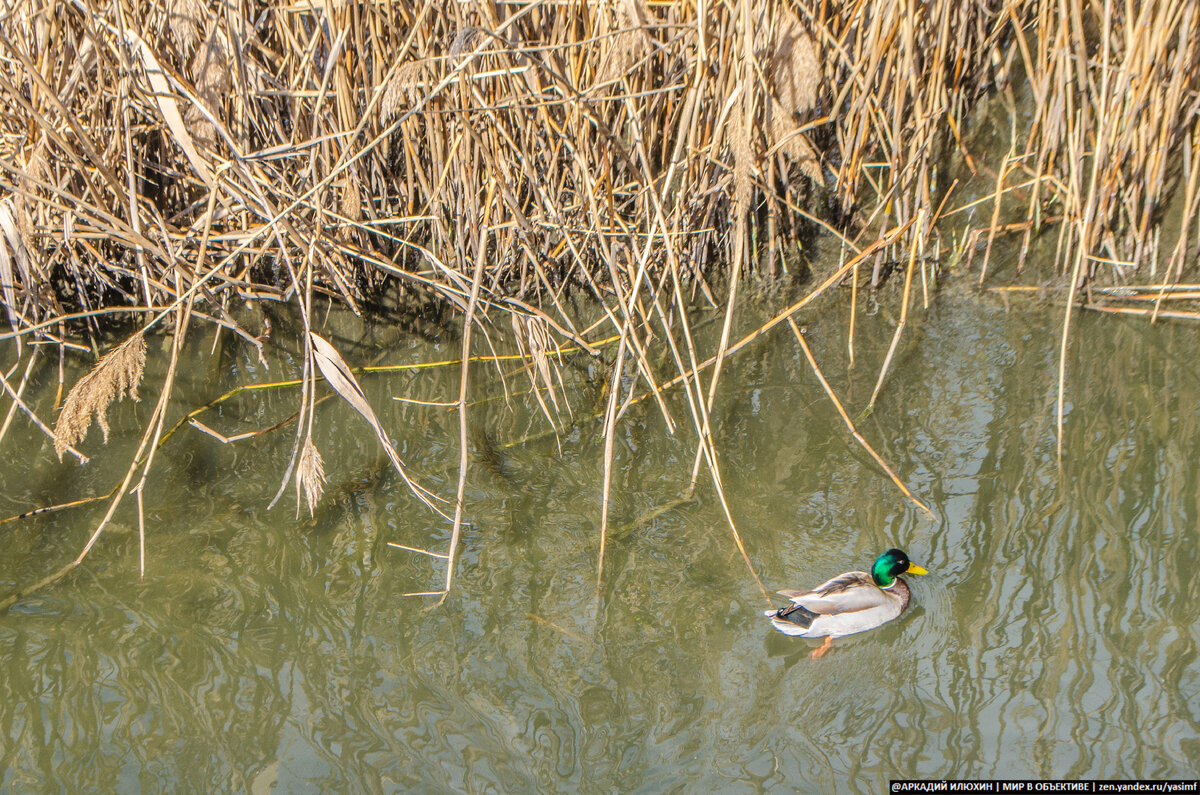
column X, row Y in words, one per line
column 892, row 564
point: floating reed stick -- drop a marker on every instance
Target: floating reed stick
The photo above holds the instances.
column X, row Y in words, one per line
column 850, row 425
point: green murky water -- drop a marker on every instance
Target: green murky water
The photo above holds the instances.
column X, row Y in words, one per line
column 1056, row 635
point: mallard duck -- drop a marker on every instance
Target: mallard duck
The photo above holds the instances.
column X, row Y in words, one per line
column 849, row 603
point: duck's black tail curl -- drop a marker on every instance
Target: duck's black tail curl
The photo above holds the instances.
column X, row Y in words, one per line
column 796, row 614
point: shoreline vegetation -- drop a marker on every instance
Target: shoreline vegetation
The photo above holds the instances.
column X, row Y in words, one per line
column 168, row 162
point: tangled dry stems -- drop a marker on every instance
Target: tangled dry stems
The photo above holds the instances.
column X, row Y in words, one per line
column 158, row 154
column 362, row 142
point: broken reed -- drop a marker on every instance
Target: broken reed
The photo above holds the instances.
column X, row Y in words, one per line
column 175, row 156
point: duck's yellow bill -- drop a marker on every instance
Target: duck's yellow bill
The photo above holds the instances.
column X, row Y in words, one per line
column 915, row 569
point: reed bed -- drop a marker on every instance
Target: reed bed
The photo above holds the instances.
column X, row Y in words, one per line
column 166, row 160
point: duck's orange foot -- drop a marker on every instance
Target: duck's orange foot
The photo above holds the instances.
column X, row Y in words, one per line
column 820, row 651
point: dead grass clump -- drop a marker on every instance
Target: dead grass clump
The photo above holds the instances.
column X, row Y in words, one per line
column 563, row 131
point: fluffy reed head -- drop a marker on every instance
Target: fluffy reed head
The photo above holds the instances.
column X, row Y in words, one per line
column 117, row 374
column 310, row 476
column 534, row 341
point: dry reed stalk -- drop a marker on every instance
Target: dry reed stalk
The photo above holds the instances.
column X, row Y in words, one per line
column 1140, row 312
column 858, row 437
column 608, row 434
column 700, row 417
column 19, row 403
column 904, row 303
column 459, row 496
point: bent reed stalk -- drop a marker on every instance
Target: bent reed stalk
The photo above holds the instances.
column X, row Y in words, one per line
column 176, row 157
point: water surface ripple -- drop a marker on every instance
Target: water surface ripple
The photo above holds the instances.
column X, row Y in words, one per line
column 1055, row 637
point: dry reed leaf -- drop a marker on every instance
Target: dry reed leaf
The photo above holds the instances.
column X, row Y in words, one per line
column 338, row 375
column 12, row 251
column 333, row 367
column 403, row 89
column 8, row 291
column 310, row 476
column 118, row 373
column 161, row 90
column 793, row 64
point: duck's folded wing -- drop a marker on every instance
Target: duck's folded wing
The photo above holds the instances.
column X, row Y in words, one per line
column 846, row 593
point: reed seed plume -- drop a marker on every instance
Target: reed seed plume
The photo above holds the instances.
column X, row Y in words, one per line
column 310, row 476
column 409, row 81
column 186, row 20
column 534, row 341
column 211, row 72
column 624, row 37
column 117, row 374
